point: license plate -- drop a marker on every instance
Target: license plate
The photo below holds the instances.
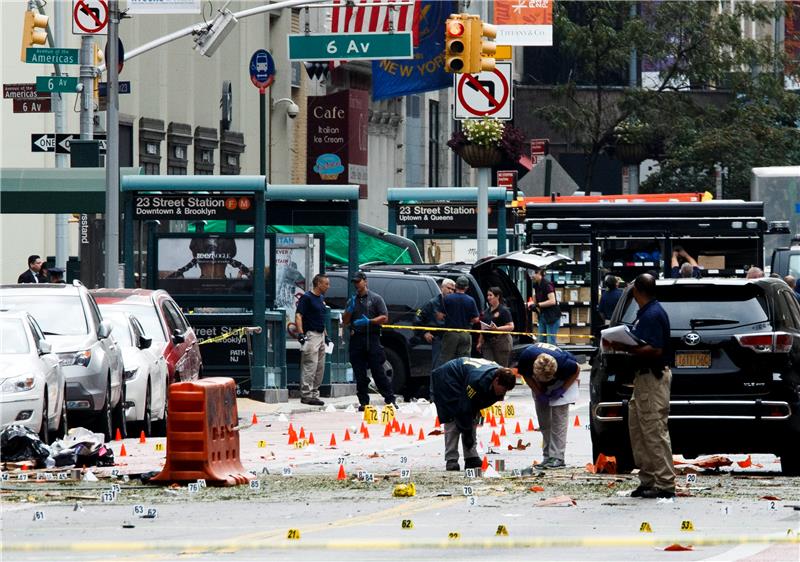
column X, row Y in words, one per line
column 693, row 360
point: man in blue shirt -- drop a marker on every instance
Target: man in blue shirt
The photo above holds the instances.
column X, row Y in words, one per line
column 609, row 300
column 462, row 388
column 549, row 371
column 648, row 409
column 310, row 321
column 460, row 313
column 683, row 264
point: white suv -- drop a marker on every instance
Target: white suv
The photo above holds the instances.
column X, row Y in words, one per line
column 90, row 358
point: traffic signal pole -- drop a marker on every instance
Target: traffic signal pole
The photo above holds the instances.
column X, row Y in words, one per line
column 113, row 273
column 61, row 21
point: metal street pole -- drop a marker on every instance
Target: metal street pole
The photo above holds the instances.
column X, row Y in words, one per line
column 61, row 20
column 484, row 175
column 633, row 170
column 112, row 269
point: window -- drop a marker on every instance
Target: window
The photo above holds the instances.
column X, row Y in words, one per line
column 172, row 323
column 205, row 143
column 179, row 137
column 175, row 318
column 433, row 143
column 151, row 133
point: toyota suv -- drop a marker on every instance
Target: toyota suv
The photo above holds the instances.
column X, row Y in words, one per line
column 735, row 373
column 89, row 356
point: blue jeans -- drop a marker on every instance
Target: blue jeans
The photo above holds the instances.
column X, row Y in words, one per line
column 550, row 329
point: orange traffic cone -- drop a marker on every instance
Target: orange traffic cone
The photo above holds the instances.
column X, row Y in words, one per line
column 341, row 475
column 485, row 463
column 517, row 430
column 25, row 466
column 361, row 429
column 395, row 425
column 346, row 435
column 530, row 425
column 502, row 419
column 492, row 421
column 118, row 436
column 421, row 435
column 365, row 433
column 142, row 438
column 410, row 430
column 333, row 440
column 291, row 428
column 311, row 438
column 302, row 433
column 255, row 419
column 436, row 423
column 502, row 431
column 388, row 431
column 292, row 437
column 577, row 422
column 403, row 429
column 495, row 440
column 122, row 451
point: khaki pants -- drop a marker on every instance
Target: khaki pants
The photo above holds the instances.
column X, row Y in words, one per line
column 455, row 345
column 648, row 413
column 452, row 435
column 498, row 349
column 312, row 364
column 553, row 423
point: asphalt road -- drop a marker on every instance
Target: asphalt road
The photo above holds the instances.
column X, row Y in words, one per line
column 352, row 518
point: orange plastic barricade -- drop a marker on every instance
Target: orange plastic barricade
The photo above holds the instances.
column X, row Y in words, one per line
column 202, row 437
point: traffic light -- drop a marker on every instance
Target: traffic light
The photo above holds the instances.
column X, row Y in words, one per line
column 457, row 40
column 488, row 46
column 34, row 31
column 98, row 59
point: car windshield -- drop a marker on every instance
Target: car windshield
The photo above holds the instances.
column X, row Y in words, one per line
column 708, row 306
column 121, row 331
column 794, row 265
column 13, row 339
column 58, row 315
column 145, row 313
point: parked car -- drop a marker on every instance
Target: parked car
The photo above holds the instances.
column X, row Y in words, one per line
column 90, row 358
column 735, row 376
column 32, row 385
column 164, row 323
column 145, row 371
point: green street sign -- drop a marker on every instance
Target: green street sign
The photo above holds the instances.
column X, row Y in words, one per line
column 57, row 84
column 52, row 56
column 351, row 46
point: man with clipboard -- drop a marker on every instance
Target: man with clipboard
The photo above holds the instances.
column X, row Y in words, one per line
column 552, row 374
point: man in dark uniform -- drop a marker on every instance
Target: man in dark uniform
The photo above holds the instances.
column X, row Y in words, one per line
column 460, row 313
column 427, row 316
column 648, row 409
column 33, row 273
column 365, row 313
column 609, row 300
column 462, row 388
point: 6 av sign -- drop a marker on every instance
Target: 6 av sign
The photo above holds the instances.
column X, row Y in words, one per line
column 351, row 46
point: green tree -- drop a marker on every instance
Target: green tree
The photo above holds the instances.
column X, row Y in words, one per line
column 715, row 89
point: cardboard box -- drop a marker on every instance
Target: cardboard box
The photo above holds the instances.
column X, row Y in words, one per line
column 711, row 262
column 586, row 294
column 579, row 315
column 572, row 294
column 559, row 294
column 579, row 335
column 564, row 335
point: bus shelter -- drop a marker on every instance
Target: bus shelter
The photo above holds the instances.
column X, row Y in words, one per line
column 234, row 280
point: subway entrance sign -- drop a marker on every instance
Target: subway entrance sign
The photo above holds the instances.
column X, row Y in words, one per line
column 351, row 46
column 52, row 56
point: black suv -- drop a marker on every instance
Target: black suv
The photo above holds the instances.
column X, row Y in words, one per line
column 735, row 375
column 408, row 356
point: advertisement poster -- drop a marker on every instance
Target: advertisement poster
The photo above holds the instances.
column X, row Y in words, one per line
column 206, row 265
column 524, row 22
column 296, row 263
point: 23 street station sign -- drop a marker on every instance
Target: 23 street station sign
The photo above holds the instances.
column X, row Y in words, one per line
column 442, row 216
column 188, row 207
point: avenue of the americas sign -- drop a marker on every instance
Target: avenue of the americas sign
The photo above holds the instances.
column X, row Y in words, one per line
column 448, row 216
column 187, row 207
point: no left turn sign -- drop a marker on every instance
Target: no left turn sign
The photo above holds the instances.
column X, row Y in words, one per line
column 89, row 17
column 486, row 94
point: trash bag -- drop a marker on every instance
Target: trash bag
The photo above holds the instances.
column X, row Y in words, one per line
column 18, row 443
column 82, row 447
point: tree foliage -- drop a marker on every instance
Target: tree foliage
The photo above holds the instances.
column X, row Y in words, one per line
column 715, row 96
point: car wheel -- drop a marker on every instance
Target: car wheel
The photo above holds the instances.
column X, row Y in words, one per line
column 44, row 430
column 790, row 463
column 105, row 423
column 120, row 422
column 396, row 369
column 63, row 425
column 147, row 421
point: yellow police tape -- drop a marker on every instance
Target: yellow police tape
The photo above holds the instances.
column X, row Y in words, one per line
column 392, row 544
column 225, row 336
column 469, row 331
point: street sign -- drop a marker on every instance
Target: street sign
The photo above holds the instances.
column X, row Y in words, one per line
column 191, row 207
column 262, row 70
column 122, row 88
column 442, row 216
column 351, row 46
column 22, row 92
column 538, row 150
column 52, row 56
column 507, row 179
column 57, row 84
column 33, row 105
column 89, row 17
column 486, row 94
column 49, row 142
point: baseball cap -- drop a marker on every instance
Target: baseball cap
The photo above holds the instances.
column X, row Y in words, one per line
column 358, row 276
column 462, row 282
column 56, row 270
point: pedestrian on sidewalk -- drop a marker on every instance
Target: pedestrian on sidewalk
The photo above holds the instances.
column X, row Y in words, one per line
column 552, row 374
column 310, row 321
column 460, row 313
column 365, row 313
column 462, row 388
column 648, row 408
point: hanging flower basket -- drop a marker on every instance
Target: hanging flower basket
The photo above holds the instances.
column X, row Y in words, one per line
column 631, row 153
column 479, row 156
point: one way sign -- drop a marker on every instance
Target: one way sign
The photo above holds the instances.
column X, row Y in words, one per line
column 49, row 142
